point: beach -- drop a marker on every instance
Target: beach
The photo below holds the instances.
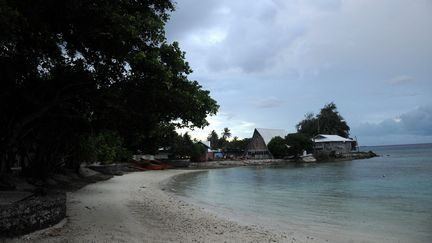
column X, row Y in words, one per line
column 136, row 207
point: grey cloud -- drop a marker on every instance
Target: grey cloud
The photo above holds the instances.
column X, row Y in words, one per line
column 418, row 121
column 357, row 53
column 254, row 38
column 191, row 15
column 307, row 35
column 415, row 122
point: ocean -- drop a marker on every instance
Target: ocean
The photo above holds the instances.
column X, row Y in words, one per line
column 386, row 198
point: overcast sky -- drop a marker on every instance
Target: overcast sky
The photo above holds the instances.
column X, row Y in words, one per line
column 268, row 62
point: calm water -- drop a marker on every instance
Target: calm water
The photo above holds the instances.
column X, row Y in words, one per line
column 387, row 197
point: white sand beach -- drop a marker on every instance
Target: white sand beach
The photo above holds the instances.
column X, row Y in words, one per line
column 135, row 208
column 138, row 207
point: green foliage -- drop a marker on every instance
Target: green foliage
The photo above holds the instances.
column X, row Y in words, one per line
column 181, row 146
column 73, row 68
column 298, row 143
column 106, row 147
column 226, row 133
column 197, row 152
column 291, row 145
column 238, row 144
column 213, row 137
column 328, row 121
column 277, row 146
column 184, row 147
column 222, row 142
column 308, row 126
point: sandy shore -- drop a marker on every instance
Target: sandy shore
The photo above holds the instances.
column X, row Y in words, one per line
column 135, row 208
column 138, row 207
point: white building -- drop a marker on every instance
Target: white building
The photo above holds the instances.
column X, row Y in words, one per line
column 328, row 143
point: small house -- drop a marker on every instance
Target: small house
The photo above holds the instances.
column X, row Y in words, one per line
column 257, row 148
column 324, row 143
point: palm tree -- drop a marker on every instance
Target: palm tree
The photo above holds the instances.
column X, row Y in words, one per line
column 214, row 139
column 226, row 133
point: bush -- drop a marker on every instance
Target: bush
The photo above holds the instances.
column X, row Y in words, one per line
column 106, row 147
column 277, row 147
column 197, row 152
column 298, row 142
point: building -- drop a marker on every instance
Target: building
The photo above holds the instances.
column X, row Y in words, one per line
column 257, row 148
column 332, row 143
column 208, row 154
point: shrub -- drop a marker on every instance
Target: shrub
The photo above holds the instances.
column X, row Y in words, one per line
column 106, row 147
column 277, row 147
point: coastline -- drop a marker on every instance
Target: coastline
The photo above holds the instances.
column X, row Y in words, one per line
column 142, row 207
column 136, row 207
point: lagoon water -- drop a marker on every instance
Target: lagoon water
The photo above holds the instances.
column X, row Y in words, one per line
column 387, row 198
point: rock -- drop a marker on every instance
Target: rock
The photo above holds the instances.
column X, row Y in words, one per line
column 31, row 214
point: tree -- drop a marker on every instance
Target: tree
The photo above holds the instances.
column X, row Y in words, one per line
column 197, row 152
column 238, row 144
column 331, row 122
column 71, row 69
column 298, row 143
column 277, row 146
column 308, row 126
column 184, row 147
column 213, row 137
column 226, row 133
column 328, row 121
column 106, row 147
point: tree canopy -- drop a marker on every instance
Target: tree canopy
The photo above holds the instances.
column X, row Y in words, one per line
column 213, row 137
column 298, row 143
column 292, row 145
column 226, row 133
column 328, row 121
column 71, row 69
column 277, row 146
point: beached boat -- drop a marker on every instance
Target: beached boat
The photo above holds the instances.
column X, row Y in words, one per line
column 308, row 158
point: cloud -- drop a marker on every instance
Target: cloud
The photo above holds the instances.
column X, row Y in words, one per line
column 418, row 121
column 307, row 36
column 400, row 80
column 238, row 127
column 415, row 122
column 309, row 52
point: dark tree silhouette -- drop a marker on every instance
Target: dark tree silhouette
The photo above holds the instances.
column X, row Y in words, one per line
column 71, row 69
column 328, row 121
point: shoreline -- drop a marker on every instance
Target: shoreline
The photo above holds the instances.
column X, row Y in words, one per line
column 136, row 207
column 220, row 164
column 141, row 207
